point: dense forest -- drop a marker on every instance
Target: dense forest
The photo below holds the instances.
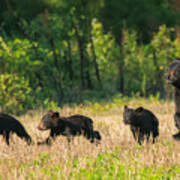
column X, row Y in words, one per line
column 57, row 51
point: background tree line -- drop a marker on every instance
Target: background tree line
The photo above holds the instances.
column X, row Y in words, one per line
column 69, row 51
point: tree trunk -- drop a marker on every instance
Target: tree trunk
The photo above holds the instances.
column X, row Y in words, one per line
column 9, row 6
column 81, row 55
column 87, row 74
column 57, row 80
column 71, row 73
column 38, row 74
column 121, row 63
column 159, row 75
column 95, row 62
column 176, row 4
column 84, row 63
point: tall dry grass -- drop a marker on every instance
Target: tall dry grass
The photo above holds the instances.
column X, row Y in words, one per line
column 19, row 161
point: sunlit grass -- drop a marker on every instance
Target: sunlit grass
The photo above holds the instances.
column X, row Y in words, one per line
column 117, row 157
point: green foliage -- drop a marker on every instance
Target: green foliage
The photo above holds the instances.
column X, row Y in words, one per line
column 107, row 166
column 148, row 63
column 58, row 52
column 106, row 52
column 117, row 15
column 15, row 96
column 34, row 66
column 104, row 166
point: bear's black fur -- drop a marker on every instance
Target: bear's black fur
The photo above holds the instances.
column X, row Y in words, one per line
column 68, row 126
column 172, row 77
column 9, row 124
column 142, row 123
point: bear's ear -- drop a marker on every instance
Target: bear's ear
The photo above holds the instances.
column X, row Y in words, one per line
column 125, row 107
column 139, row 110
column 55, row 118
column 55, row 115
column 177, row 58
column 50, row 112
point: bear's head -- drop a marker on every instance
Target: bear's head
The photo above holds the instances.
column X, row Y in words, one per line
column 172, row 75
column 130, row 115
column 49, row 121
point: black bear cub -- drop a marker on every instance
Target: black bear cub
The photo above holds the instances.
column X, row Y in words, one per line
column 67, row 126
column 142, row 123
column 9, row 125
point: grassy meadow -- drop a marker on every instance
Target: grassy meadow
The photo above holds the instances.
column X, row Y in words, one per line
column 117, row 157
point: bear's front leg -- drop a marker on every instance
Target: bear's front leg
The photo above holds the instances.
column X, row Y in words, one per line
column 177, row 124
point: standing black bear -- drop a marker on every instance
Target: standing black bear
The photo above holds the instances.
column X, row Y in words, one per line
column 173, row 77
column 8, row 125
column 142, row 123
column 67, row 126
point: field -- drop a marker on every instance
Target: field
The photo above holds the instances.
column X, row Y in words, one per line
column 117, row 157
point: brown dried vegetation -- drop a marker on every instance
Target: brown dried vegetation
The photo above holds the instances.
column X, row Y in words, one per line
column 58, row 161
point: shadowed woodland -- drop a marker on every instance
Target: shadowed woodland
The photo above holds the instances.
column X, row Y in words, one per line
column 63, row 52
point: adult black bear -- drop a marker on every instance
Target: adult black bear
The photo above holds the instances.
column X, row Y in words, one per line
column 172, row 77
column 8, row 125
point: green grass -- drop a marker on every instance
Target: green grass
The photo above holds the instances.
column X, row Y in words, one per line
column 104, row 166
